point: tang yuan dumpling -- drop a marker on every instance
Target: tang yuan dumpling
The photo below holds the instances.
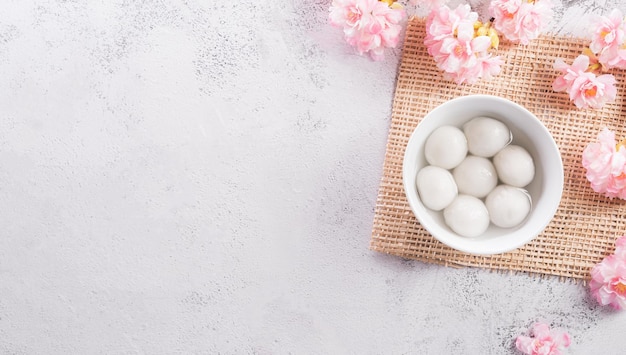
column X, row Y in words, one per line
column 515, row 166
column 508, row 206
column 486, row 136
column 475, row 176
column 467, row 216
column 446, row 147
column 436, row 187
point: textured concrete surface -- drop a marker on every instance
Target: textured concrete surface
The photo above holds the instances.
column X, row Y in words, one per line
column 199, row 177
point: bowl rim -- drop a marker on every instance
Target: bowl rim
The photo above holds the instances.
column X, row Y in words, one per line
column 479, row 248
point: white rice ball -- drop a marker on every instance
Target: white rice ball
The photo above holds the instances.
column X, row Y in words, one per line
column 486, row 136
column 515, row 166
column 446, row 147
column 436, row 187
column 467, row 216
column 508, row 206
column 475, row 176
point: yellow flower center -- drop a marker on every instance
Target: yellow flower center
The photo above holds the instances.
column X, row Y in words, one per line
column 458, row 50
column 620, row 288
column 622, row 143
column 354, row 16
column 591, row 92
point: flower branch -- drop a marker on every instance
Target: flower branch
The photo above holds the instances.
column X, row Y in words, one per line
column 586, row 80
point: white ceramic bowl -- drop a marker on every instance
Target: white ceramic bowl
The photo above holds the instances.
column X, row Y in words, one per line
column 528, row 132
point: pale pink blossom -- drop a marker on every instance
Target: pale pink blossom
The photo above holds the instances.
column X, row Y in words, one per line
column 370, row 26
column 485, row 67
column 608, row 278
column 585, row 89
column 593, row 91
column 607, row 31
column 608, row 39
column 443, row 22
column 520, row 21
column 345, row 13
column 456, row 53
column 489, row 66
column 605, row 163
column 614, row 57
column 543, row 341
column 451, row 40
column 569, row 72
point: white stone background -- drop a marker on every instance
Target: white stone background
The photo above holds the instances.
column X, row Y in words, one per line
column 199, row 177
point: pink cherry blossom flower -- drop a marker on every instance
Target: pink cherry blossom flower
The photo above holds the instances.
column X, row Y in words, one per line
column 589, row 90
column 370, row 26
column 456, row 53
column 613, row 57
column 608, row 39
column 489, row 66
column 569, row 72
column 443, row 22
column 607, row 31
column 605, row 163
column 585, row 89
column 543, row 341
column 485, row 67
column 452, row 41
column 608, row 278
column 345, row 13
column 520, row 21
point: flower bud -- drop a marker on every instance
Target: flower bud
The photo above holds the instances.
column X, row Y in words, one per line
column 493, row 35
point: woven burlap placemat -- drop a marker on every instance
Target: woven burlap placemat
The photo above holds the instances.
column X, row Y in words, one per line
column 586, row 224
